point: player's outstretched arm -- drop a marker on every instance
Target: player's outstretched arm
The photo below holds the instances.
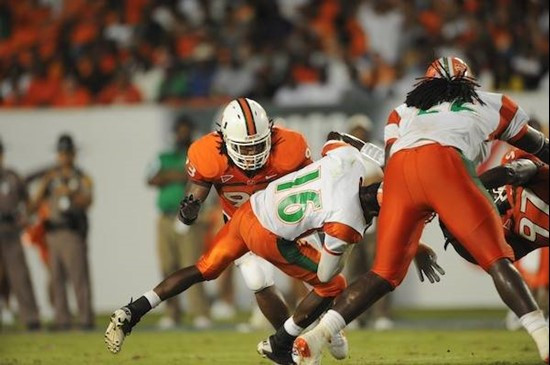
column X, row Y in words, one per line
column 517, row 172
column 535, row 143
column 426, row 264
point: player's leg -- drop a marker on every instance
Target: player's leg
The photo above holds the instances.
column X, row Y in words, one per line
column 228, row 245
column 258, row 273
column 300, row 262
column 400, row 225
column 479, row 229
column 258, row 277
column 188, row 253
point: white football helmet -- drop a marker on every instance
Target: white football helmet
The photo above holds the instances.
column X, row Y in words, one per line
column 246, row 132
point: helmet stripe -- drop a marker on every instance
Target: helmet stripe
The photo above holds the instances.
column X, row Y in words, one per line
column 448, row 66
column 249, row 119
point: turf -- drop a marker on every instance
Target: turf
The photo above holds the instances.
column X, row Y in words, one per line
column 422, row 347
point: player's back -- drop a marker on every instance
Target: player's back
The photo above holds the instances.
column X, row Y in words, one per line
column 324, row 191
column 462, row 125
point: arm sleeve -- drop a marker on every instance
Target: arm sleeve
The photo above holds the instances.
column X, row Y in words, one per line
column 513, row 121
column 333, row 258
column 391, row 131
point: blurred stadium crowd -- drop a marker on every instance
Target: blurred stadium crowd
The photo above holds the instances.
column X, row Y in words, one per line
column 65, row 53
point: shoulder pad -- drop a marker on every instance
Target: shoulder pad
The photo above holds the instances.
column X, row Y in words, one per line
column 290, row 150
column 205, row 162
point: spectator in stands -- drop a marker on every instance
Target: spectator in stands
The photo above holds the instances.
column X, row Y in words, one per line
column 72, row 94
column 505, row 41
column 43, row 87
column 178, row 245
column 121, row 91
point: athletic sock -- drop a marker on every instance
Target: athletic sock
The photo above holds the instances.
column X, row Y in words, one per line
column 142, row 305
column 333, row 322
column 285, row 336
column 292, row 328
column 153, row 298
column 535, row 324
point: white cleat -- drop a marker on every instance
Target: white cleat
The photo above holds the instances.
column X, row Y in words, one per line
column 119, row 327
column 309, row 346
column 338, row 346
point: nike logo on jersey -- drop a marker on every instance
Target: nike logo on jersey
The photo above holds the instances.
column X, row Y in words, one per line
column 226, row 178
column 267, row 177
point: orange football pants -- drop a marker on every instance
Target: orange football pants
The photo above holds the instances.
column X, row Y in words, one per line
column 245, row 233
column 434, row 178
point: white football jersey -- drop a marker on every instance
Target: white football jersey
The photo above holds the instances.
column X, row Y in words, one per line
column 322, row 192
column 464, row 126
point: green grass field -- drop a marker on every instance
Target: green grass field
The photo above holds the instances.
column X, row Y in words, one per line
column 422, row 347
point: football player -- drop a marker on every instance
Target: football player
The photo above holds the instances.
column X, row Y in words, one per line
column 325, row 195
column 520, row 191
column 245, row 154
column 278, row 347
column 431, row 141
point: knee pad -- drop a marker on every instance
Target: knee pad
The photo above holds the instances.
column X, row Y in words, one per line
column 257, row 272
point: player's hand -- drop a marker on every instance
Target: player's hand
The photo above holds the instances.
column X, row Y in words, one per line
column 426, row 264
column 189, row 210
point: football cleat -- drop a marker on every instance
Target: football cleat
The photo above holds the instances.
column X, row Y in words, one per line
column 309, row 346
column 119, row 327
column 338, row 346
column 279, row 356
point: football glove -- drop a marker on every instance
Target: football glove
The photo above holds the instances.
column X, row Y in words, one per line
column 189, row 210
column 368, row 196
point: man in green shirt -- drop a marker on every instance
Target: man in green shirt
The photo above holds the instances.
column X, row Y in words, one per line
column 178, row 245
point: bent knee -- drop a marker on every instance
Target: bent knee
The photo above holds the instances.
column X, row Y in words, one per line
column 255, row 278
column 210, row 270
column 394, row 278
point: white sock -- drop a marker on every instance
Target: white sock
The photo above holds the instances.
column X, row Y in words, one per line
column 292, row 328
column 333, row 322
column 152, row 298
column 536, row 326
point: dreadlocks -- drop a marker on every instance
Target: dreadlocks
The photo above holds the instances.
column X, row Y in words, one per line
column 430, row 91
